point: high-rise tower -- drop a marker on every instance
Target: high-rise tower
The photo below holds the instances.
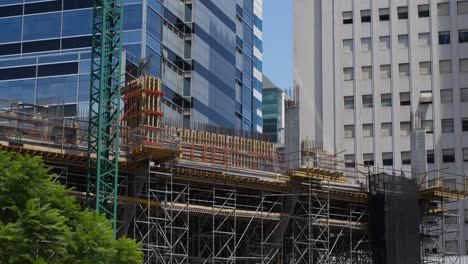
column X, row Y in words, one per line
column 208, row 54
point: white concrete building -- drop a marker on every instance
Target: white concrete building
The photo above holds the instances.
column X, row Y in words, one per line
column 363, row 66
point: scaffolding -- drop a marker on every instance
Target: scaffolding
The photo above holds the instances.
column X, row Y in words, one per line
column 325, row 226
column 439, row 227
column 213, row 198
column 181, row 218
column 202, row 208
column 190, row 215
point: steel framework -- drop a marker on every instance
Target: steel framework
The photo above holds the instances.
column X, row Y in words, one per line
column 439, row 226
column 104, row 108
column 180, row 221
column 325, row 230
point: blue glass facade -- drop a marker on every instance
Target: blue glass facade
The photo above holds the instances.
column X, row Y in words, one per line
column 273, row 111
column 203, row 50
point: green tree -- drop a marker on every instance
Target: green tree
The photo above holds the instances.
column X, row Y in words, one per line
column 40, row 223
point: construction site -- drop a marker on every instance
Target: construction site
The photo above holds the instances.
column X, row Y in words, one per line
column 198, row 197
column 193, row 196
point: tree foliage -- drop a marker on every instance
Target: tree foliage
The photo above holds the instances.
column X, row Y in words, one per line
column 39, row 223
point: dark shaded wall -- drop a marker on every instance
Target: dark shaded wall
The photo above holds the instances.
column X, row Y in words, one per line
column 394, row 220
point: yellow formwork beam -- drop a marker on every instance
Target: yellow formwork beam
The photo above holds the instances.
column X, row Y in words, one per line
column 438, row 193
column 319, row 175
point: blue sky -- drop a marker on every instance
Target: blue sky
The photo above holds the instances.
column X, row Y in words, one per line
column 278, row 41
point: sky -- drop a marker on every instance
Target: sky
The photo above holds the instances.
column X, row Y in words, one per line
column 278, row 42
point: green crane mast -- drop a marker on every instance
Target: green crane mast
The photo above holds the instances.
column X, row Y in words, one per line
column 104, row 108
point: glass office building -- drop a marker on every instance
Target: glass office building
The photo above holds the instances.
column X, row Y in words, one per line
column 273, row 111
column 207, row 52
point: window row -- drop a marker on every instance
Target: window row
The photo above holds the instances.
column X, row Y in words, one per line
column 446, row 97
column 368, row 159
column 424, row 40
column 405, row 128
column 448, row 156
column 385, row 100
column 70, row 23
column 43, row 7
column 425, row 68
column 443, row 9
column 386, row 129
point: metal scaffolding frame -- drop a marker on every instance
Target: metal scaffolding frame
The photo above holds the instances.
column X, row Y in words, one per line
column 324, row 230
column 180, row 221
column 203, row 209
column 439, row 225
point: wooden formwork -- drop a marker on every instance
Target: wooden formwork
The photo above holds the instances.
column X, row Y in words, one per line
column 142, row 119
column 229, row 151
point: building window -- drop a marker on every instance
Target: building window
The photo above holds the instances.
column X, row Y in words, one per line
column 349, row 102
column 367, row 101
column 366, row 72
column 465, row 154
column 424, row 39
column 349, row 131
column 462, row 7
column 348, row 45
column 384, row 42
column 425, row 97
column 368, row 159
column 465, row 124
column 366, row 44
column 428, row 126
column 365, row 16
column 443, row 9
column 349, row 161
column 430, row 156
column 450, row 184
column 423, row 10
column 386, row 129
column 348, row 74
column 446, row 96
column 384, row 14
column 464, row 94
column 347, row 17
column 447, row 125
column 386, row 100
column 463, row 65
column 463, row 36
column 387, row 159
column 385, row 72
column 403, row 69
column 405, row 98
column 444, row 37
column 445, row 66
column 425, row 68
column 451, row 247
column 448, row 155
column 402, row 12
column 367, row 130
column 403, row 41
column 451, row 218
column 406, row 157
column 405, row 128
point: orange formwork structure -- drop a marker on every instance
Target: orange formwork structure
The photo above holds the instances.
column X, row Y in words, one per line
column 142, row 120
column 228, row 151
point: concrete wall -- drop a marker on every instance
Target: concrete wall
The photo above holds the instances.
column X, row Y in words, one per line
column 319, row 60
